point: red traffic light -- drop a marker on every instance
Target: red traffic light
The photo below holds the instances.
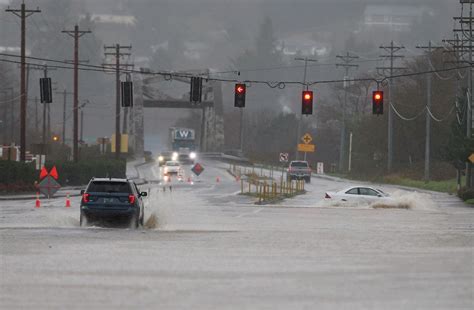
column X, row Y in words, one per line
column 378, row 95
column 239, row 96
column 377, row 102
column 240, row 88
column 307, row 103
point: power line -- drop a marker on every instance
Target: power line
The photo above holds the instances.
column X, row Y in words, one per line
column 272, row 84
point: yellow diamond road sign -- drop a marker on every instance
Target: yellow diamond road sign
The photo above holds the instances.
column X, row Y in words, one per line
column 307, row 138
column 471, row 158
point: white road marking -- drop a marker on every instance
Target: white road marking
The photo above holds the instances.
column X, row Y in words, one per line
column 250, row 213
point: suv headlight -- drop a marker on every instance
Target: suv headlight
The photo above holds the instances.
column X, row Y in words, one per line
column 161, row 158
column 192, row 155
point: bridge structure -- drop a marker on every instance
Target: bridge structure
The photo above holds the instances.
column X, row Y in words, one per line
column 148, row 95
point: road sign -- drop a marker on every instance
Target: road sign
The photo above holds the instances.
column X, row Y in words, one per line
column 197, row 169
column 284, row 157
column 307, row 138
column 49, row 186
column 308, row 148
column 471, row 158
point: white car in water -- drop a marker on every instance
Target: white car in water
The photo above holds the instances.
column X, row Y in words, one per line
column 359, row 194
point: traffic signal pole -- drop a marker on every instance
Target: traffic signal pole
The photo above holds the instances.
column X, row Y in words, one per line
column 305, row 87
column 23, row 14
column 346, row 64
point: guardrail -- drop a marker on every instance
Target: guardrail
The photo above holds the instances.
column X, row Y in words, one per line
column 264, row 185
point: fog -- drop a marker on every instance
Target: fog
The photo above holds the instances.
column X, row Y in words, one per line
column 190, row 35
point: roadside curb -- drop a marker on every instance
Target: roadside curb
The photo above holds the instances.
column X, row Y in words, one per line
column 10, row 198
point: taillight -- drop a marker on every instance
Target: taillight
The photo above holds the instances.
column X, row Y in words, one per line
column 85, row 197
column 327, row 196
column 131, row 199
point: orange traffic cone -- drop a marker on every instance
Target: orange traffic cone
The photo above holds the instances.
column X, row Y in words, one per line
column 218, row 180
column 38, row 202
column 68, row 201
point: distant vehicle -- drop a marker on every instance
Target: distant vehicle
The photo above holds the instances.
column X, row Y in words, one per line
column 111, row 199
column 187, row 158
column 299, row 170
column 171, row 167
column 182, row 140
column 163, row 157
column 362, row 194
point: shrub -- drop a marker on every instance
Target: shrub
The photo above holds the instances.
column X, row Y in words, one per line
column 80, row 173
column 466, row 193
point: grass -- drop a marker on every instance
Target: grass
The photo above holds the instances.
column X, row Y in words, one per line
column 445, row 186
column 470, row 201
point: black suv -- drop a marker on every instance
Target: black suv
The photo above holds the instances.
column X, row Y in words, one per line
column 112, row 199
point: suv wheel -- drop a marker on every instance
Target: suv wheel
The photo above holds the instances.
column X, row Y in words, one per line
column 83, row 220
column 142, row 220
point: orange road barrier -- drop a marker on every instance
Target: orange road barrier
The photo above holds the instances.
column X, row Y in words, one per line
column 68, row 201
column 38, row 202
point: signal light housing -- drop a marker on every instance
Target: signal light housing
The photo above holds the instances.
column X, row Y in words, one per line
column 307, row 102
column 196, row 89
column 46, row 92
column 239, row 97
column 377, row 102
column 127, row 94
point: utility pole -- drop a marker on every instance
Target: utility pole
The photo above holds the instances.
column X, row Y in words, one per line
column 305, row 87
column 391, row 49
column 65, row 93
column 36, row 115
column 347, row 65
column 76, row 34
column 5, row 112
column 463, row 49
column 45, row 70
column 117, row 54
column 429, row 49
column 23, row 14
column 4, row 120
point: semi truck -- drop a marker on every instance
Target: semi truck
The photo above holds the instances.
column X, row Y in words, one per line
column 182, row 141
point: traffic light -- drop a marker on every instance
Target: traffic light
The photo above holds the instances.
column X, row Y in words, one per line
column 46, row 93
column 196, row 89
column 127, row 94
column 377, row 102
column 240, row 90
column 307, row 102
column 55, row 138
